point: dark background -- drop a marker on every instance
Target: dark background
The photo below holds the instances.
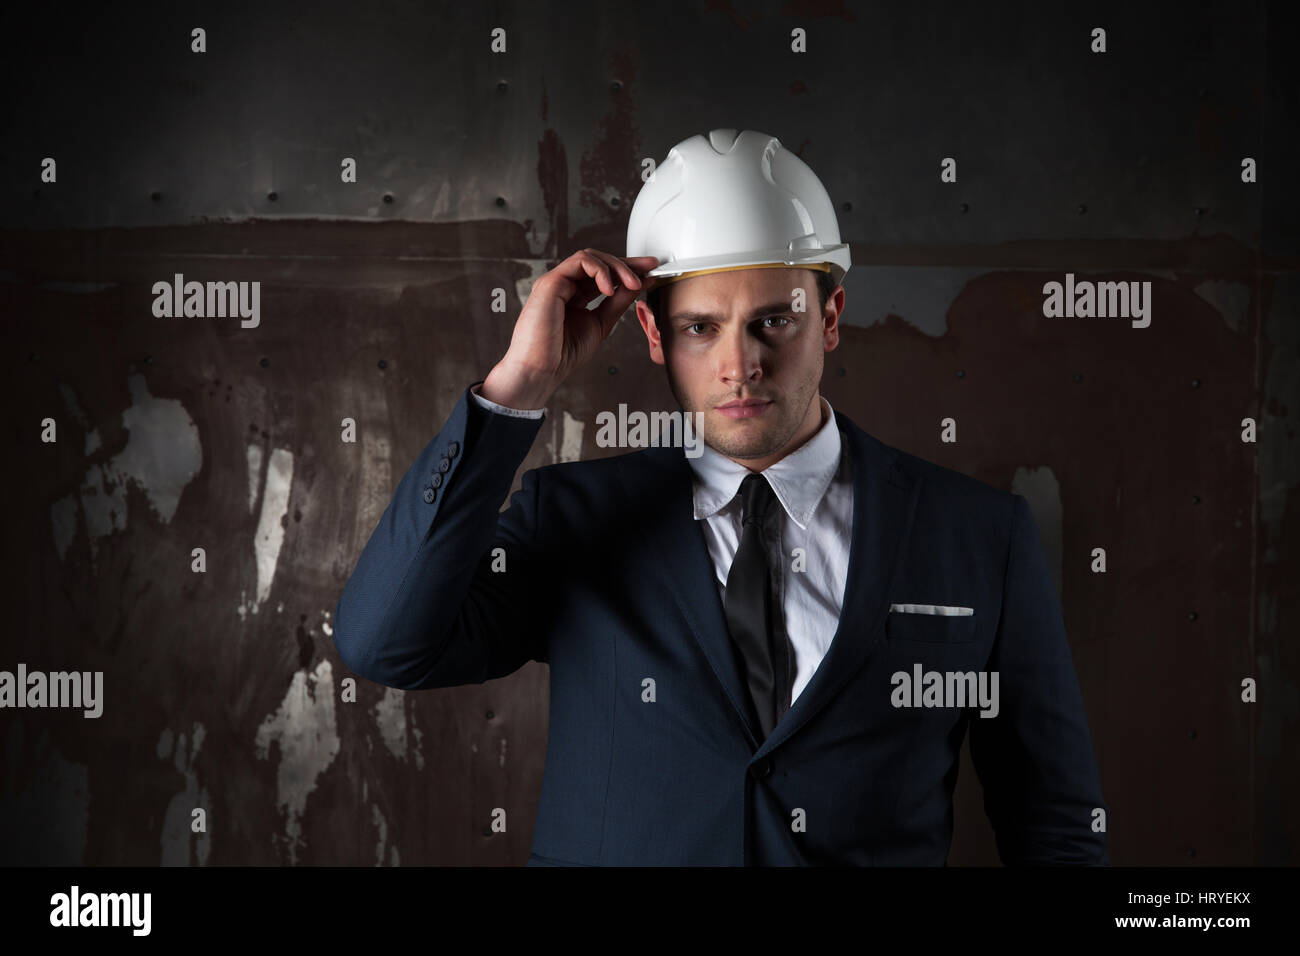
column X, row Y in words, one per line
column 478, row 171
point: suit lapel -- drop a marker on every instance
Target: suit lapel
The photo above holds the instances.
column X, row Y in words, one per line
column 883, row 500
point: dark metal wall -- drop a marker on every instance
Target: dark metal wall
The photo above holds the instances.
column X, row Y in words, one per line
column 476, row 170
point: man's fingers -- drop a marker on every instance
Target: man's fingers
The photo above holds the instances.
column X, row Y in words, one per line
column 588, row 268
column 627, row 275
column 611, row 309
column 642, row 263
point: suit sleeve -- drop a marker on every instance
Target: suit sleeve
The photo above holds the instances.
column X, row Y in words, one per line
column 432, row 602
column 1035, row 758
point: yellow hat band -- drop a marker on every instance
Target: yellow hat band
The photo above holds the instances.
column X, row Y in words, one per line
column 819, row 266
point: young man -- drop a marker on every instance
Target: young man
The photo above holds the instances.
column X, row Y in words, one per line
column 766, row 655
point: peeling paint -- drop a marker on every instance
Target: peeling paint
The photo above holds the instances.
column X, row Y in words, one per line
column 177, row 834
column 390, row 716
column 163, row 452
column 381, row 825
column 161, row 456
column 570, row 431
column 254, row 474
column 270, row 524
column 419, row 743
column 524, row 286
column 308, row 739
column 103, row 504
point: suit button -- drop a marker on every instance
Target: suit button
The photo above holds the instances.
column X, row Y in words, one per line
column 444, row 465
column 761, row 769
column 436, row 480
column 428, row 495
column 453, row 449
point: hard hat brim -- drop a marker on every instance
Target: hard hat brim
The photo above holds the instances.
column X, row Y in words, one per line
column 834, row 259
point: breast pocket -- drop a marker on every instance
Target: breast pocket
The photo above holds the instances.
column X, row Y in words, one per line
column 930, row 628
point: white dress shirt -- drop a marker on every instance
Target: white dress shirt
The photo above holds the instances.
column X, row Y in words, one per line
column 814, row 485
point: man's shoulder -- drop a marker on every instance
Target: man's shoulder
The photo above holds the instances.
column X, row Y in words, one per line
column 939, row 482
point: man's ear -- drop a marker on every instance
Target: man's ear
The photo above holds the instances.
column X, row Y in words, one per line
column 651, row 330
column 831, row 318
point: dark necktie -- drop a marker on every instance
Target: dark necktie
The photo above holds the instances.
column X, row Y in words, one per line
column 753, row 604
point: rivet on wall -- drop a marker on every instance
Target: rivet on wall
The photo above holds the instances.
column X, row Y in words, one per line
column 383, row 363
column 965, row 207
column 264, row 362
column 501, row 200
column 273, row 195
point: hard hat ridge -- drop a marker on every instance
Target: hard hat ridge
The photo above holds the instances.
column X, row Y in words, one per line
column 732, row 200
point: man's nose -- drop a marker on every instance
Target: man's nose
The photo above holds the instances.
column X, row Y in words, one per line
column 738, row 357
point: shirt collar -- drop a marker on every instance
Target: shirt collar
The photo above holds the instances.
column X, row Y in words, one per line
column 800, row 479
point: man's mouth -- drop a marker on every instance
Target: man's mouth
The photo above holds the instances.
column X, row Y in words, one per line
column 745, row 407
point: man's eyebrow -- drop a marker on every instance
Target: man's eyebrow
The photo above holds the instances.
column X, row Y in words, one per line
column 772, row 308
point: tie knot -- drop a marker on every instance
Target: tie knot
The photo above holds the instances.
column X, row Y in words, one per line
column 756, row 498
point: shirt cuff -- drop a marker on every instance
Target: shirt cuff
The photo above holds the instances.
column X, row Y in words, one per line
column 502, row 409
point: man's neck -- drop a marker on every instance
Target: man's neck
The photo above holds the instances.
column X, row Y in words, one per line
column 795, row 443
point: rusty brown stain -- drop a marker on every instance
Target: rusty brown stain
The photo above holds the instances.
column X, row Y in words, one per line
column 613, row 159
column 553, row 177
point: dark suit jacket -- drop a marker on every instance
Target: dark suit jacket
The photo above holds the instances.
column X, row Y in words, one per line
column 608, row 580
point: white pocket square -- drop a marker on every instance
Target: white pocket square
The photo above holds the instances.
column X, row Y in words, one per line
column 932, row 609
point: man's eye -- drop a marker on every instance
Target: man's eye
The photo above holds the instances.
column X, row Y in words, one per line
column 781, row 317
column 693, row 325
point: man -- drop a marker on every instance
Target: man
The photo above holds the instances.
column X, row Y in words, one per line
column 765, row 655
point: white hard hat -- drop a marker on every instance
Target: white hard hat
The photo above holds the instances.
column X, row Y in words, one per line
column 734, row 200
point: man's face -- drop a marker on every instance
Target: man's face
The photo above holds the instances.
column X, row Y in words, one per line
column 734, row 336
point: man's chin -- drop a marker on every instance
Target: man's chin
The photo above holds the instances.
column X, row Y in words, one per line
column 738, row 438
